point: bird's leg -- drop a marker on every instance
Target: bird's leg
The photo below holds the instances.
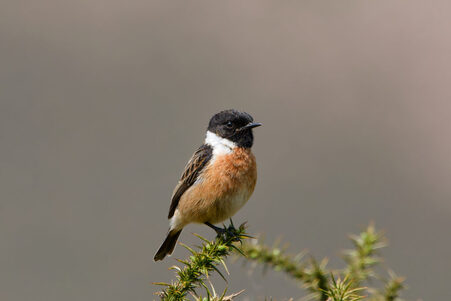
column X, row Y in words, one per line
column 219, row 231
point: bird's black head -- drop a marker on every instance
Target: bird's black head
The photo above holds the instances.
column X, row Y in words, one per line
column 234, row 126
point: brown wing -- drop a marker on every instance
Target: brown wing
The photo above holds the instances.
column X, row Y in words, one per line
column 192, row 170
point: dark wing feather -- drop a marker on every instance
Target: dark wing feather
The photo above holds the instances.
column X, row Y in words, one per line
column 192, row 170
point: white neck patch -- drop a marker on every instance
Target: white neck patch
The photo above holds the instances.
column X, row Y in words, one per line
column 221, row 146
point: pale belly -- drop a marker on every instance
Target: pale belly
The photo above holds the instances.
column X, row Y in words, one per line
column 228, row 206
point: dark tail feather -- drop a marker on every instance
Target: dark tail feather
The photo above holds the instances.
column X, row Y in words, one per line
column 168, row 245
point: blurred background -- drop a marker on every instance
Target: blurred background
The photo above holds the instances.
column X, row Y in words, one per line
column 103, row 102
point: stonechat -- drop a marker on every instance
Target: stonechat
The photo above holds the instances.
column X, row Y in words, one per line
column 218, row 179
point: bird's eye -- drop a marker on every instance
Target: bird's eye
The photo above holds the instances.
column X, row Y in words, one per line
column 229, row 124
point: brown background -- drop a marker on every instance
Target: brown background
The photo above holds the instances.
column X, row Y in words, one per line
column 102, row 103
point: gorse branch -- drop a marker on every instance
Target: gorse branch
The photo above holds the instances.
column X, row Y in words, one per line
column 341, row 290
column 322, row 283
column 364, row 257
column 391, row 290
column 312, row 274
column 200, row 264
column 393, row 287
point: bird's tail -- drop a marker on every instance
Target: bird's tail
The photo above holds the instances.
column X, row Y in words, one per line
column 168, row 245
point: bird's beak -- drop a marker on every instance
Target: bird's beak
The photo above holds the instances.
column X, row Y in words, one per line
column 250, row 126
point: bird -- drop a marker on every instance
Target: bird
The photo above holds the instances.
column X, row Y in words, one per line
column 217, row 181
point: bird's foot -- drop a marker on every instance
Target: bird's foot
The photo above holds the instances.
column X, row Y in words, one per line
column 219, row 231
column 225, row 231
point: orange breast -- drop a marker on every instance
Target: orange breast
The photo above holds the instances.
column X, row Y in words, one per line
column 223, row 188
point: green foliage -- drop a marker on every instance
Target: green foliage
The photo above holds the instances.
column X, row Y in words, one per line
column 311, row 274
column 364, row 257
column 391, row 289
column 200, row 264
column 341, row 290
column 322, row 283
